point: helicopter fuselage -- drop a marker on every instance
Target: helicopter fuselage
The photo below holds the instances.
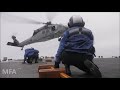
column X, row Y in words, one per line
column 45, row 33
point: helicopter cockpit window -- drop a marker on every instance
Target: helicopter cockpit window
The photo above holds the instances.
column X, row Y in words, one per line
column 53, row 28
column 35, row 32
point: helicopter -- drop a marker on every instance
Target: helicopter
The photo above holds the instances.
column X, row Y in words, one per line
column 47, row 32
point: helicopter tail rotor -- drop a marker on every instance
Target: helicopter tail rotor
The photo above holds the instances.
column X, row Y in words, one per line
column 14, row 43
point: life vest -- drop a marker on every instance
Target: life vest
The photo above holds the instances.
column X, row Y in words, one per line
column 78, row 41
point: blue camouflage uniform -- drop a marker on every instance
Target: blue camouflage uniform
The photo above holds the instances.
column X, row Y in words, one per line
column 30, row 52
column 78, row 42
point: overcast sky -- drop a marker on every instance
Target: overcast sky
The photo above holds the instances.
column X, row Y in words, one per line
column 104, row 25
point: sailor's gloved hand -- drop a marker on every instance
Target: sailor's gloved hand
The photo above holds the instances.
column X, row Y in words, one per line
column 56, row 65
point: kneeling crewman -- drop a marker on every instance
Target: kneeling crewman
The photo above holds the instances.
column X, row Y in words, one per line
column 30, row 55
column 76, row 48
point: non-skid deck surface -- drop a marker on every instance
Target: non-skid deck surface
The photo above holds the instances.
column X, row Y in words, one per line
column 109, row 67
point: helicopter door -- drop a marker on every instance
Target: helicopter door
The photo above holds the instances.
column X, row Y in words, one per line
column 49, row 32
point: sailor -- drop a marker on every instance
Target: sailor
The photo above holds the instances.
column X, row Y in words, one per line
column 30, row 55
column 76, row 48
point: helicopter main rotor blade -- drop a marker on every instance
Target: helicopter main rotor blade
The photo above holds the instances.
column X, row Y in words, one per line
column 18, row 19
column 51, row 15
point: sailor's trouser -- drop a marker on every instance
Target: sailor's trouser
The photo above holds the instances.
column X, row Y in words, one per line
column 75, row 59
